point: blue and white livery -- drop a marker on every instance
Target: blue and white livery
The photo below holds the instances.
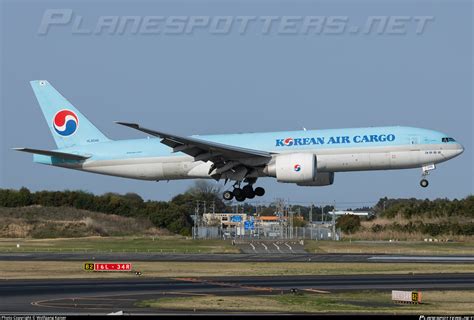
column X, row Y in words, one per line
column 307, row 158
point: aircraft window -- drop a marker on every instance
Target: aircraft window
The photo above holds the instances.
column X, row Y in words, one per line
column 447, row 139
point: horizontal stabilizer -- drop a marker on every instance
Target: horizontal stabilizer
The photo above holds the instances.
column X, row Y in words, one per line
column 62, row 155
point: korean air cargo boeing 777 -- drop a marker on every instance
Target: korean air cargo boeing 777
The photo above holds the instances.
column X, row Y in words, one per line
column 307, row 158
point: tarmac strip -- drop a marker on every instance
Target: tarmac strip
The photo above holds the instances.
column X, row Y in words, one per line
column 283, row 257
column 105, row 296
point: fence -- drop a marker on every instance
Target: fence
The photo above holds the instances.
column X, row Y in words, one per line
column 272, row 232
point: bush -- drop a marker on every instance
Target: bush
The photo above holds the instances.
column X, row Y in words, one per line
column 348, row 223
column 377, row 228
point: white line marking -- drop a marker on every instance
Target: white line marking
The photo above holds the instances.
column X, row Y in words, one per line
column 253, row 247
column 278, row 248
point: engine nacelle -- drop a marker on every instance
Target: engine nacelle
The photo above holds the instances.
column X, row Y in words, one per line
column 293, row 168
column 322, row 179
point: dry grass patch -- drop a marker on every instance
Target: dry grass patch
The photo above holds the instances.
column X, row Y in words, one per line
column 386, row 247
column 439, row 302
column 66, row 222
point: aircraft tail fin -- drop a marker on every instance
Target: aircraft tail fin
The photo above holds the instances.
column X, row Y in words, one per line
column 68, row 125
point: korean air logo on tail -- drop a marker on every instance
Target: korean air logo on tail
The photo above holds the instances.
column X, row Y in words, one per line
column 65, row 123
column 297, row 168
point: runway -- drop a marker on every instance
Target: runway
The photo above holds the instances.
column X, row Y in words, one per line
column 241, row 257
column 105, row 296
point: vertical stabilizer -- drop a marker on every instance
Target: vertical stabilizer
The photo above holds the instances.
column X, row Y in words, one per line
column 68, row 125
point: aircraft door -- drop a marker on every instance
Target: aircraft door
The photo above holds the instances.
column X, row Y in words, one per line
column 414, row 140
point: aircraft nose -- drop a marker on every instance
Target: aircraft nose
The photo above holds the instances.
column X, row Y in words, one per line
column 459, row 149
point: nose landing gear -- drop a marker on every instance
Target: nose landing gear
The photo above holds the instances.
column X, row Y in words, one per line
column 426, row 171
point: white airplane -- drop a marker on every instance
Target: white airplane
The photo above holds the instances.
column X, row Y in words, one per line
column 307, row 158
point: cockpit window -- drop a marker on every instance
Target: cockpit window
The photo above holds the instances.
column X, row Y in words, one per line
column 448, row 139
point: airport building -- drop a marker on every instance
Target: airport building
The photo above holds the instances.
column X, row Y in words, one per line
column 355, row 213
column 225, row 220
column 252, row 227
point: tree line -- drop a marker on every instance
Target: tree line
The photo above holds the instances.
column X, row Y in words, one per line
column 176, row 214
column 417, row 208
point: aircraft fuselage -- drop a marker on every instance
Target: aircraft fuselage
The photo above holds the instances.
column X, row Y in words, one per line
column 336, row 150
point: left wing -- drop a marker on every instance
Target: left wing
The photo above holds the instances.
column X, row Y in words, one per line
column 227, row 160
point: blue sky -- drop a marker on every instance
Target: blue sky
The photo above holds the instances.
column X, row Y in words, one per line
column 204, row 83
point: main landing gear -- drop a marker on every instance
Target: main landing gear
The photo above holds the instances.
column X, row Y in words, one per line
column 247, row 192
column 426, row 171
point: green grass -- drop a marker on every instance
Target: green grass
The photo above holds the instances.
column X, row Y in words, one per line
column 400, row 247
column 438, row 302
column 178, row 244
column 171, row 244
column 189, row 269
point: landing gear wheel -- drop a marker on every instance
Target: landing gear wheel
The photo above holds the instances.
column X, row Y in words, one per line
column 240, row 198
column 228, row 195
column 248, row 191
column 238, row 193
column 424, row 183
column 259, row 191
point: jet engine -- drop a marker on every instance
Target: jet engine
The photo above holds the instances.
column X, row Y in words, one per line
column 299, row 168
column 322, row 179
column 293, row 168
